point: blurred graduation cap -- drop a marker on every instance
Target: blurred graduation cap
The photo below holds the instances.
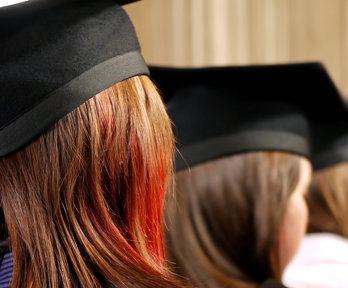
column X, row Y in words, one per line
column 54, row 56
column 329, row 140
column 222, row 111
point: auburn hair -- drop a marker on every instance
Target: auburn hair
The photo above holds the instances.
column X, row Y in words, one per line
column 328, row 201
column 224, row 225
column 83, row 202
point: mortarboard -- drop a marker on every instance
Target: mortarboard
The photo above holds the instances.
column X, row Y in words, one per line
column 329, row 139
column 54, row 56
column 222, row 111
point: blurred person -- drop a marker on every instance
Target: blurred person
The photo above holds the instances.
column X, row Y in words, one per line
column 242, row 170
column 322, row 260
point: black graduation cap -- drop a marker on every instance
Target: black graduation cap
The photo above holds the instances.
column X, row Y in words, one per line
column 329, row 139
column 23, row 5
column 221, row 111
column 54, row 56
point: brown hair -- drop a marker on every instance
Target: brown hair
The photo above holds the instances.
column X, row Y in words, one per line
column 328, row 201
column 224, row 224
column 83, row 201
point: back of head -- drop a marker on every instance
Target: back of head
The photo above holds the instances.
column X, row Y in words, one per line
column 328, row 197
column 224, row 225
column 242, row 138
column 328, row 201
column 85, row 147
column 83, row 201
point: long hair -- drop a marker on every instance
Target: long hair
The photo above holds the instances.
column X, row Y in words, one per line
column 223, row 227
column 83, row 202
column 328, row 201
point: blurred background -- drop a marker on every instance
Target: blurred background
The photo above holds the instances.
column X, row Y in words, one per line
column 239, row 32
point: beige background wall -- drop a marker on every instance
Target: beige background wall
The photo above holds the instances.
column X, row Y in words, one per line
column 237, row 32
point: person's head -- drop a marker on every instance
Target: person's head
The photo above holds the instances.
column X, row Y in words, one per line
column 241, row 172
column 83, row 201
column 328, row 195
column 85, row 150
column 238, row 220
column 328, row 200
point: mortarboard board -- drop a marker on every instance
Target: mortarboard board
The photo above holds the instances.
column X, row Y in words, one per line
column 33, row 4
column 54, row 56
column 221, row 111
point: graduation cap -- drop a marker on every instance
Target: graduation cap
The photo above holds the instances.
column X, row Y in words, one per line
column 222, row 111
column 329, row 140
column 54, row 56
column 17, row 6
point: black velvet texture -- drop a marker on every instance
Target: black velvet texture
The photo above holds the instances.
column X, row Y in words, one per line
column 231, row 110
column 70, row 49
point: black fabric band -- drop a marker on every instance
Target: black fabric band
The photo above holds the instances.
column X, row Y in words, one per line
column 245, row 142
column 330, row 158
column 60, row 102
